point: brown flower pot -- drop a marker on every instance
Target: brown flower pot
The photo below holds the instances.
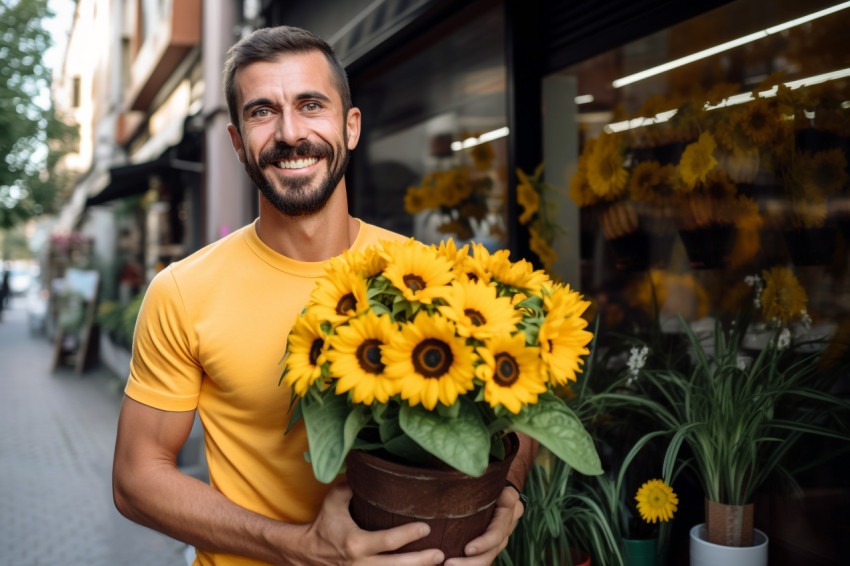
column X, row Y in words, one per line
column 729, row 525
column 457, row 507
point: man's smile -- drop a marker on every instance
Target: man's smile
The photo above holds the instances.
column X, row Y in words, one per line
column 297, row 163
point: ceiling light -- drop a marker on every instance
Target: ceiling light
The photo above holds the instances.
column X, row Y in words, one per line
column 727, row 46
column 483, row 138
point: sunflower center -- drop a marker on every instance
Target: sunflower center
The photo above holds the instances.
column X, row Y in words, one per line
column 369, row 356
column 475, row 317
column 432, row 358
column 316, row 350
column 507, row 370
column 413, row 282
column 346, row 303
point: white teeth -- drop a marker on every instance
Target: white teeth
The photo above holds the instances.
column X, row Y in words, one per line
column 297, row 163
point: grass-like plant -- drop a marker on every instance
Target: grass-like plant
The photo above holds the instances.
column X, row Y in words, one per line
column 560, row 517
column 739, row 415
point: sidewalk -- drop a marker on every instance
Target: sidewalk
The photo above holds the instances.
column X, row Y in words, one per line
column 58, row 434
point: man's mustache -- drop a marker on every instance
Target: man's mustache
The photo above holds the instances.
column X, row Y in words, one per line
column 283, row 151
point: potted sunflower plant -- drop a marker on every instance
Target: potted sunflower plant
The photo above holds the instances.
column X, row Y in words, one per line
column 410, row 358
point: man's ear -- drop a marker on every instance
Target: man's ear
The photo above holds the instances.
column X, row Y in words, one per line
column 353, row 123
column 236, row 140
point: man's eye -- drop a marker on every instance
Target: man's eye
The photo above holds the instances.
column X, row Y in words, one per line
column 312, row 106
column 261, row 112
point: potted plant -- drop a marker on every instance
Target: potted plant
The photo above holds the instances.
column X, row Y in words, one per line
column 429, row 357
column 739, row 417
column 561, row 524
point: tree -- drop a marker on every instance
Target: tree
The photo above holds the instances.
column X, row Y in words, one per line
column 32, row 138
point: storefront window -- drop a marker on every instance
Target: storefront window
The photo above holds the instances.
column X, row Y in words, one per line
column 711, row 173
column 432, row 162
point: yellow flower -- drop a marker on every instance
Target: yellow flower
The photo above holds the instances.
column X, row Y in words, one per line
column 527, row 197
column 580, row 190
column 510, row 372
column 356, row 360
column 482, row 156
column 340, row 295
column 697, row 160
column 307, row 352
column 542, row 248
column 605, row 171
column 760, row 121
column 747, row 238
column 562, row 337
column 656, row 501
column 519, row 274
column 416, row 270
column 783, row 298
column 416, row 200
column 478, row 313
column 824, row 173
column 430, row 362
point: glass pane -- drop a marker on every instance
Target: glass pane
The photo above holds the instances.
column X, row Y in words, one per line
column 431, row 162
column 713, row 169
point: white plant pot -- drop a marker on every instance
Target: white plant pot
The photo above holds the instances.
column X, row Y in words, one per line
column 704, row 553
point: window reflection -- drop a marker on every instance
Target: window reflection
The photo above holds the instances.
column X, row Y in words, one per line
column 699, row 182
column 432, row 159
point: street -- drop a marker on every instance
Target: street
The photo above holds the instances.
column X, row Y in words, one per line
column 58, row 434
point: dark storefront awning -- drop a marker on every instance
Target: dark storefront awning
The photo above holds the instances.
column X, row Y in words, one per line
column 134, row 179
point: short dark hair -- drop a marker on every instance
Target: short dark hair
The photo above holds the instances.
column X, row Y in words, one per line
column 267, row 44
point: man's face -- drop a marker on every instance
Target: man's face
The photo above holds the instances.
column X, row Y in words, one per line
column 294, row 142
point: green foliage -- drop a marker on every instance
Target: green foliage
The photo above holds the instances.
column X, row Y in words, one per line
column 559, row 516
column 738, row 416
column 32, row 138
column 120, row 321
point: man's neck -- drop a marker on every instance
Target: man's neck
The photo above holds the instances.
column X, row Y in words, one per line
column 315, row 237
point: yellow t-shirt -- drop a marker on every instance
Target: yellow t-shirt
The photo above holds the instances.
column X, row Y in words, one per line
column 210, row 335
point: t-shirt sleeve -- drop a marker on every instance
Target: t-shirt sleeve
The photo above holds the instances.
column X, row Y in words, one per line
column 164, row 370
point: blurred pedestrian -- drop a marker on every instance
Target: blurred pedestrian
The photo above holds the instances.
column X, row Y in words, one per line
column 4, row 288
column 212, row 329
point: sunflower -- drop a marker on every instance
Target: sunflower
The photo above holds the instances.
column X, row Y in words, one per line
column 580, row 190
column 605, row 171
column 519, row 275
column 697, row 160
column 824, row 173
column 510, row 372
column 562, row 337
column 306, row 352
column 478, row 312
column 416, row 200
column 355, row 356
column 430, row 362
column 761, row 122
column 528, row 197
column 783, row 298
column 482, row 156
column 340, row 295
column 542, row 248
column 656, row 501
column 416, row 270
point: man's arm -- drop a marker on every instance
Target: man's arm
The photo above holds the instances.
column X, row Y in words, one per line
column 483, row 550
column 149, row 489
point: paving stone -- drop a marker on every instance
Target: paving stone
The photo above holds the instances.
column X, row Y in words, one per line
column 57, row 433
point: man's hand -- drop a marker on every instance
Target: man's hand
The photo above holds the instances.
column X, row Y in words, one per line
column 483, row 550
column 334, row 538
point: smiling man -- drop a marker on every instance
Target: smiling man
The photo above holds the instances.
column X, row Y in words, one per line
column 213, row 327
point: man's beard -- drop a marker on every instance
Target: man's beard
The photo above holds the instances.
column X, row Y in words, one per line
column 297, row 196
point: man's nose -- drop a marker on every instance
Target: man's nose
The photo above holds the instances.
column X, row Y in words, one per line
column 291, row 128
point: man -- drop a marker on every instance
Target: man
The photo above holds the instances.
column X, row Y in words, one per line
column 213, row 328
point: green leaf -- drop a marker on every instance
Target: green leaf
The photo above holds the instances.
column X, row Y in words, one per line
column 461, row 442
column 555, row 426
column 332, row 427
